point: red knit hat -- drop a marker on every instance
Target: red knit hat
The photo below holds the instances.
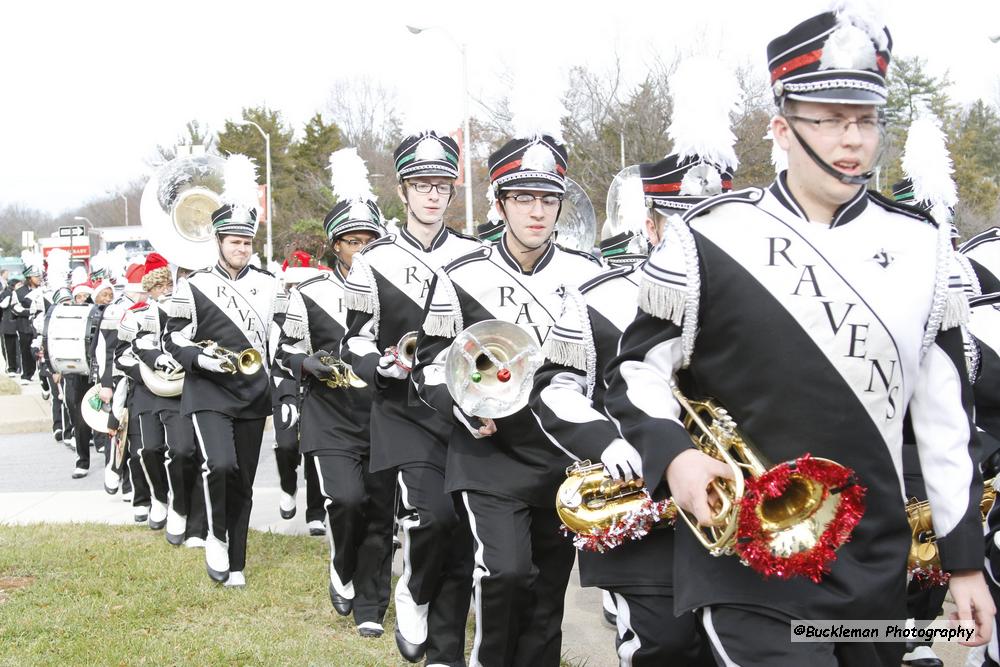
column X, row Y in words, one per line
column 133, row 277
column 155, row 260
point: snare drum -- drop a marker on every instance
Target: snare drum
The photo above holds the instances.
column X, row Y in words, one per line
column 68, row 338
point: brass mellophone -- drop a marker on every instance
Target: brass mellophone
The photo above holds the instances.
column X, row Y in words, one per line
column 342, row 376
column 924, row 556
column 246, row 362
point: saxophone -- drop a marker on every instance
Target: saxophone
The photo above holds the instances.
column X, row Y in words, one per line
column 924, row 558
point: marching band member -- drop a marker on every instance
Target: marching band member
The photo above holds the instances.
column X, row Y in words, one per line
column 21, row 308
column 335, row 421
column 60, row 414
column 983, row 252
column 506, row 471
column 286, row 402
column 816, row 313
column 8, row 326
column 569, row 388
column 232, row 305
column 385, row 293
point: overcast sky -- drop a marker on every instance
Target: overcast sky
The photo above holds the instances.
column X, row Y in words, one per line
column 90, row 88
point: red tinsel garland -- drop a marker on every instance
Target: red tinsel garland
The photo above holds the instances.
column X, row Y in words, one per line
column 631, row 526
column 751, row 542
column 930, row 577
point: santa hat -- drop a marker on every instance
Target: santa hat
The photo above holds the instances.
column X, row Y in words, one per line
column 102, row 285
column 297, row 258
column 82, row 288
column 133, row 277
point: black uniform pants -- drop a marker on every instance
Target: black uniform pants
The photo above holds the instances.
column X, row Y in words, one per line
column 76, row 386
column 432, row 595
column 152, row 455
column 140, row 487
column 523, row 564
column 60, row 419
column 183, row 468
column 650, row 636
column 287, row 457
column 28, row 363
column 11, row 352
column 230, row 448
column 750, row 636
column 359, row 504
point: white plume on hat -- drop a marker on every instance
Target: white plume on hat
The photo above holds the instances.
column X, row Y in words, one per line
column 704, row 94
column 866, row 15
column 536, row 108
column 349, row 176
column 239, row 176
column 420, row 117
column 57, row 268
column 32, row 260
column 928, row 164
column 492, row 214
column 78, row 276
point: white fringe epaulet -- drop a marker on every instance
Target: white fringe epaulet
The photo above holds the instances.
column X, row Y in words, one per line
column 296, row 324
column 149, row 319
column 444, row 314
column 128, row 327
column 950, row 307
column 571, row 340
column 182, row 301
column 280, row 302
column 671, row 282
column 360, row 289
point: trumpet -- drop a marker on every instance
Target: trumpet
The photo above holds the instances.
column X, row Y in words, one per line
column 405, row 350
column 247, row 362
column 784, row 520
column 342, row 376
column 924, row 559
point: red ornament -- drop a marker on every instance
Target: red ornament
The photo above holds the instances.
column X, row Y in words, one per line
column 503, row 374
column 751, row 542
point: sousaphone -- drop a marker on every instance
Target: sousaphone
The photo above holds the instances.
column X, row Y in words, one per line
column 176, row 209
column 576, row 227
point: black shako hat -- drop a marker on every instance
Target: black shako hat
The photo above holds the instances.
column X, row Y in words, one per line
column 236, row 220
column 615, row 250
column 678, row 184
column 491, row 230
column 536, row 163
column 426, row 154
column 353, row 216
column 833, row 58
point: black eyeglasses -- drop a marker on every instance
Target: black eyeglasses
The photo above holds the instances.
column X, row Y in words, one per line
column 425, row 188
column 835, row 127
column 354, row 243
column 524, row 201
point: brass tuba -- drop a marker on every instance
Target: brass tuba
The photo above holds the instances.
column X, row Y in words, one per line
column 176, row 209
column 490, row 366
column 785, row 520
column 246, row 362
column 924, row 559
column 343, row 376
column 161, row 383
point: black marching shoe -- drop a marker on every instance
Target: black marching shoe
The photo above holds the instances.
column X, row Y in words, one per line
column 341, row 605
column 411, row 652
column 921, row 656
column 370, row 630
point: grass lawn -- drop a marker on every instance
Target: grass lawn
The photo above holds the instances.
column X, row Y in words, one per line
column 110, row 595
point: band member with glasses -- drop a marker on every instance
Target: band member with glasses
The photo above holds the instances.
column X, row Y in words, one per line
column 506, row 471
column 385, row 294
column 230, row 304
column 816, row 313
column 335, row 432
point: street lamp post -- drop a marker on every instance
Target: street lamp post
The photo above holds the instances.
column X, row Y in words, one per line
column 125, row 199
column 267, row 180
column 466, row 152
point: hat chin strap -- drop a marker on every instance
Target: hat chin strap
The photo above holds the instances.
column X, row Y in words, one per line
column 860, row 179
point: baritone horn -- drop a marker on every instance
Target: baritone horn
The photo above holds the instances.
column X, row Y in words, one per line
column 246, row 362
column 162, row 383
column 490, row 366
column 784, row 520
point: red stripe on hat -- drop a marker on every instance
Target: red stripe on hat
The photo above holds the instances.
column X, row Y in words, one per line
column 561, row 170
column 796, row 63
column 500, row 171
column 882, row 64
column 727, row 184
column 662, row 187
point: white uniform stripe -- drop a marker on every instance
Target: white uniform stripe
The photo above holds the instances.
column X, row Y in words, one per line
column 204, row 474
column 411, row 618
column 713, row 636
column 627, row 648
column 477, row 586
column 343, row 590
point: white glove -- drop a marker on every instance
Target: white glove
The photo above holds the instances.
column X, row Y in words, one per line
column 210, row 364
column 167, row 364
column 622, row 461
column 388, row 368
column 289, row 416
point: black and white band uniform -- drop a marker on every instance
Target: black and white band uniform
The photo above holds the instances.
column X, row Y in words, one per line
column 286, row 402
column 507, row 481
column 335, row 434
column 385, row 293
column 568, row 402
column 228, row 409
column 21, row 309
column 984, row 325
column 8, row 327
column 983, row 253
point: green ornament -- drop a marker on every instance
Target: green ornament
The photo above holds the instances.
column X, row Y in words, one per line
column 477, row 376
